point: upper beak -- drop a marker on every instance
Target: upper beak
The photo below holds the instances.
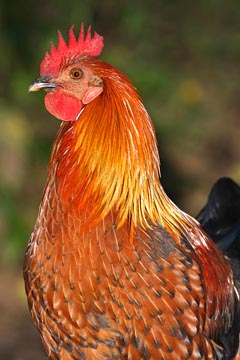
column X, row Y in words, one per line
column 42, row 83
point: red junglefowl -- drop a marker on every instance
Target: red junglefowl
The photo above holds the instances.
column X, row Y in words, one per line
column 113, row 269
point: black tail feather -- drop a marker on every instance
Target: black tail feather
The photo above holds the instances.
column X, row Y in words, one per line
column 220, row 218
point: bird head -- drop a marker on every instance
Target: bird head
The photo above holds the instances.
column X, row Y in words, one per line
column 69, row 82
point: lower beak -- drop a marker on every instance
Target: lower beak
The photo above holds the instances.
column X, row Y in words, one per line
column 42, row 83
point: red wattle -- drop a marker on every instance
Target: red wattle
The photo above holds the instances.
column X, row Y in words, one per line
column 62, row 106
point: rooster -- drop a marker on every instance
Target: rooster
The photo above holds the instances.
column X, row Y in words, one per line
column 113, row 269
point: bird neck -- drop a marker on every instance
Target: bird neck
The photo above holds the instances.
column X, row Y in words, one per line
column 108, row 160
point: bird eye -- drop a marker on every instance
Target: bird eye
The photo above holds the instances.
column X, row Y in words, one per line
column 76, row 73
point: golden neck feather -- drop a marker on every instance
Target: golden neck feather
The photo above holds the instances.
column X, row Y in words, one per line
column 108, row 160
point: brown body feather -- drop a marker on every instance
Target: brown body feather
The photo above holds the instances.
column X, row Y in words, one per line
column 114, row 270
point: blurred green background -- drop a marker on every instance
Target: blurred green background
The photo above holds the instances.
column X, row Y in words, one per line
column 183, row 56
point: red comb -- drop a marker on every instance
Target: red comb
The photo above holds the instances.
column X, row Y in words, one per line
column 90, row 46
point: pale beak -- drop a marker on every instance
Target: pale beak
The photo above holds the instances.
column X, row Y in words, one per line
column 43, row 83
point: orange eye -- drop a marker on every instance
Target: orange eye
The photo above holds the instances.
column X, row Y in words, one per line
column 76, row 73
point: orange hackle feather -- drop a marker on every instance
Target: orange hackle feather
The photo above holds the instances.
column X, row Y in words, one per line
column 119, row 271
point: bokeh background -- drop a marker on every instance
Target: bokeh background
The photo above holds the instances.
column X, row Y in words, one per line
column 184, row 58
